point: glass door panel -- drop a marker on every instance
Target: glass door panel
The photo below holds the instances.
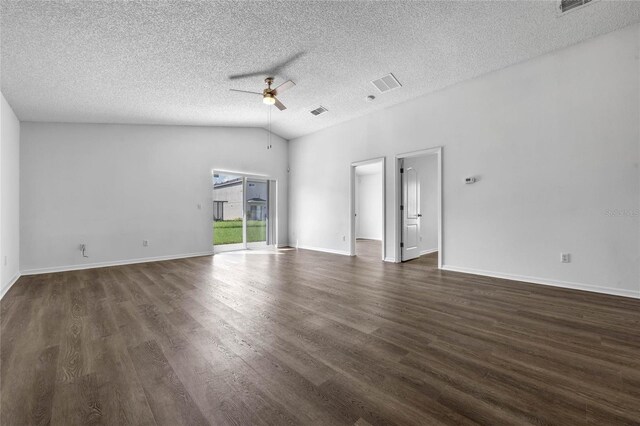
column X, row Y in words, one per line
column 257, row 208
column 228, row 211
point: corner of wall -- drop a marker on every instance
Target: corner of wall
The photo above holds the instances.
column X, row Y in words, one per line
column 10, row 127
column 5, row 288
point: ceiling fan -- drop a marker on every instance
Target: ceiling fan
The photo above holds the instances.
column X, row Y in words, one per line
column 269, row 94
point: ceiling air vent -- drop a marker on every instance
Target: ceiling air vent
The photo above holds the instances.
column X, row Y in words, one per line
column 567, row 5
column 386, row 83
column 319, row 110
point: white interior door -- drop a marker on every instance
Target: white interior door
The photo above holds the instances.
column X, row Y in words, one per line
column 410, row 213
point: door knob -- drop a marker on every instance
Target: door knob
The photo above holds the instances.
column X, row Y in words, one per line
column 419, row 215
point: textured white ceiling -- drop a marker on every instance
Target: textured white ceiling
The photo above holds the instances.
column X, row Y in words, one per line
column 168, row 62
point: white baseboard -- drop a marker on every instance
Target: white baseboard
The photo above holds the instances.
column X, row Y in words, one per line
column 429, row 251
column 391, row 260
column 112, row 263
column 11, row 282
column 543, row 281
column 325, row 250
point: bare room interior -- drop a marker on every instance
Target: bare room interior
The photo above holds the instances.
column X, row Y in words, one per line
column 319, row 213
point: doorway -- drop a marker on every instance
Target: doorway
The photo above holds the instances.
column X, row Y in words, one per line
column 367, row 214
column 243, row 217
column 419, row 206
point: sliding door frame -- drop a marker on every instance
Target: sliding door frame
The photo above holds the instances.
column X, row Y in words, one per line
column 245, row 245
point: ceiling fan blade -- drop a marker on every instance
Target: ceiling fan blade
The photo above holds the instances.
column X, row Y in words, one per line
column 279, row 104
column 245, row 91
column 284, row 86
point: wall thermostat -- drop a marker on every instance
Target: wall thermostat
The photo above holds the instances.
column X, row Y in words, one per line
column 470, row 180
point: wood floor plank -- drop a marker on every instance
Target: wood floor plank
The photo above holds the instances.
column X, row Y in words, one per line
column 74, row 361
column 78, row 402
column 14, row 335
column 124, row 400
column 27, row 390
column 170, row 402
column 40, row 399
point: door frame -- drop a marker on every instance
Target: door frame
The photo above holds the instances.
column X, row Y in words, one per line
column 352, row 202
column 400, row 195
column 274, row 227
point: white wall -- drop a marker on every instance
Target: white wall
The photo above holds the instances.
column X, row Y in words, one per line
column 427, row 168
column 369, row 206
column 10, row 196
column 111, row 186
column 555, row 143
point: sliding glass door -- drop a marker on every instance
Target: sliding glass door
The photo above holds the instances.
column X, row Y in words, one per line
column 241, row 214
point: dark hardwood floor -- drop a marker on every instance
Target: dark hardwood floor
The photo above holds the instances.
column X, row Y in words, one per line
column 300, row 337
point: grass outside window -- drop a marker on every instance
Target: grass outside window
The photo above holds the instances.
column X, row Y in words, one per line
column 230, row 231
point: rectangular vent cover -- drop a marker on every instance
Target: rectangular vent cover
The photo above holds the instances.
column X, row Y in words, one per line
column 386, row 83
column 319, row 110
column 567, row 5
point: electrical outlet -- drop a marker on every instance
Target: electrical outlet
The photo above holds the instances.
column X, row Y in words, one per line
column 565, row 257
column 145, row 243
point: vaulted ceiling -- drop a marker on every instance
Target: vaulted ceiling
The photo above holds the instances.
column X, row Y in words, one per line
column 169, row 62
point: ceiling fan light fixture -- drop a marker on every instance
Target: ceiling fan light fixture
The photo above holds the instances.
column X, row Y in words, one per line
column 268, row 99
